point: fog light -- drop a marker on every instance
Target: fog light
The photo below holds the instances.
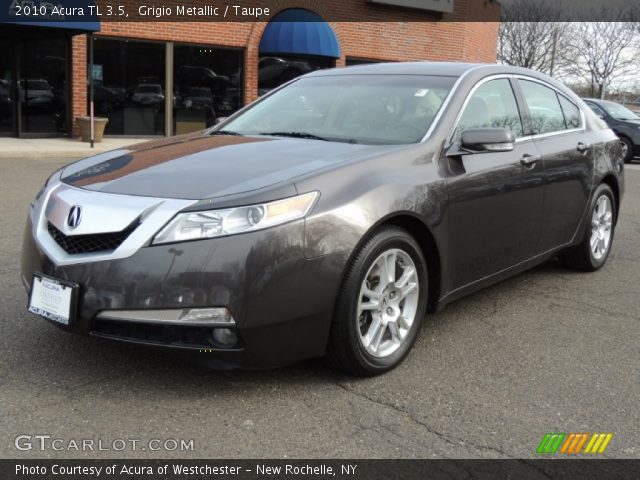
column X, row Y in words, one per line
column 224, row 337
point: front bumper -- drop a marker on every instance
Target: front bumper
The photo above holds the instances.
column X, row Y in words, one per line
column 282, row 303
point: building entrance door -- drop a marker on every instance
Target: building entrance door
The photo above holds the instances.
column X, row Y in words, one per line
column 43, row 87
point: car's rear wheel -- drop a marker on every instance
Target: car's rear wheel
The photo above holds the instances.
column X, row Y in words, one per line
column 593, row 251
column 627, row 149
column 381, row 306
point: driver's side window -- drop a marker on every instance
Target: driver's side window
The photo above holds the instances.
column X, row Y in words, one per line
column 492, row 105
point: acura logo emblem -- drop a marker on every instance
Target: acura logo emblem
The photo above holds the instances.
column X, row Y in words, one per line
column 75, row 214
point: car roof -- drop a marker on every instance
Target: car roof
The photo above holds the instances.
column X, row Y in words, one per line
column 472, row 71
column 449, row 69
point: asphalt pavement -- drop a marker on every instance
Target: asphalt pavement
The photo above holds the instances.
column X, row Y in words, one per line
column 550, row 350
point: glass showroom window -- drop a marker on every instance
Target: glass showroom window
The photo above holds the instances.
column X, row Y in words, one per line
column 7, row 75
column 129, row 79
column 274, row 70
column 207, row 84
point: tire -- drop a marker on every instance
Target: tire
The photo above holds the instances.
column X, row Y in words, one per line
column 628, row 146
column 376, row 321
column 600, row 229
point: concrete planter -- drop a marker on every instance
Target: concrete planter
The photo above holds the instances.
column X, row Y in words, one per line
column 85, row 128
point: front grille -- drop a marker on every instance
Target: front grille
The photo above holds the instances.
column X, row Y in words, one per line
column 98, row 242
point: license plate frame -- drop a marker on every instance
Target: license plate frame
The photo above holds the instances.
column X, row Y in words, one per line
column 63, row 293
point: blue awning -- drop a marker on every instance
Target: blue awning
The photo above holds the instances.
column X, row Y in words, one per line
column 300, row 32
column 78, row 15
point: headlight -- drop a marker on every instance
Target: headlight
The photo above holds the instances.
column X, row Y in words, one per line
column 230, row 221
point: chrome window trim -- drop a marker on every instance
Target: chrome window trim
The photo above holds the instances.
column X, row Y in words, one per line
column 447, row 101
column 550, row 134
column 475, row 88
column 583, row 119
column 517, row 77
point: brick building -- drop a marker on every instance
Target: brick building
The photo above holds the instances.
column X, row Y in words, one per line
column 163, row 78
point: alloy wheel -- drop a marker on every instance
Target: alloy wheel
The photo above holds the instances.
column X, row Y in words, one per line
column 388, row 303
column 601, row 224
column 625, row 149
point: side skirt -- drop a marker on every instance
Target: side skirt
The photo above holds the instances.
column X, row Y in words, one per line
column 498, row 277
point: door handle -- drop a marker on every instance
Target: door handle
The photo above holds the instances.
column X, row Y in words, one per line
column 530, row 160
column 583, row 147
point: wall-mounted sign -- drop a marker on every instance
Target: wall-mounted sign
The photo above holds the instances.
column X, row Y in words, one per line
column 432, row 5
column 97, row 73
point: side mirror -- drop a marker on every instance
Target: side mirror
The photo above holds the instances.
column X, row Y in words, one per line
column 485, row 140
column 219, row 120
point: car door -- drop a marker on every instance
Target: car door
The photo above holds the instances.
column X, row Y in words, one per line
column 495, row 198
column 559, row 133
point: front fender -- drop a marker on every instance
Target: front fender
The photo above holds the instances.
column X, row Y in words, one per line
column 347, row 210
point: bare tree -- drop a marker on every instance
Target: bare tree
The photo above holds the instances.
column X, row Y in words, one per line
column 602, row 52
column 536, row 43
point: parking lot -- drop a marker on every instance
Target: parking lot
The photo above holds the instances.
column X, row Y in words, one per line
column 548, row 351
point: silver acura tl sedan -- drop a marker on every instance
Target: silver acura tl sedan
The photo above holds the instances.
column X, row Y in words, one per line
column 326, row 218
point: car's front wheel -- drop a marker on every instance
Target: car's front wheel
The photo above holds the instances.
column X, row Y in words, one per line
column 381, row 306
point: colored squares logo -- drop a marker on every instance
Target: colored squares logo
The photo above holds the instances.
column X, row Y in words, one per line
column 598, row 443
column 550, row 443
column 573, row 443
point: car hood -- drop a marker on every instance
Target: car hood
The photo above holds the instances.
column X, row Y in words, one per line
column 203, row 166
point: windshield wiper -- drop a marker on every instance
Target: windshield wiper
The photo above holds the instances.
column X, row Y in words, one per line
column 225, row 132
column 310, row 136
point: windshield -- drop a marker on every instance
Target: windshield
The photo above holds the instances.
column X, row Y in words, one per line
column 618, row 111
column 371, row 109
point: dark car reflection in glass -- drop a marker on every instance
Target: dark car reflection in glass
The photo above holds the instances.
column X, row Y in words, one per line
column 624, row 122
column 148, row 94
column 203, row 95
column 276, row 71
column 327, row 218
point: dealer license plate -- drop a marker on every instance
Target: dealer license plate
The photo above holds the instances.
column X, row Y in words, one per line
column 53, row 298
